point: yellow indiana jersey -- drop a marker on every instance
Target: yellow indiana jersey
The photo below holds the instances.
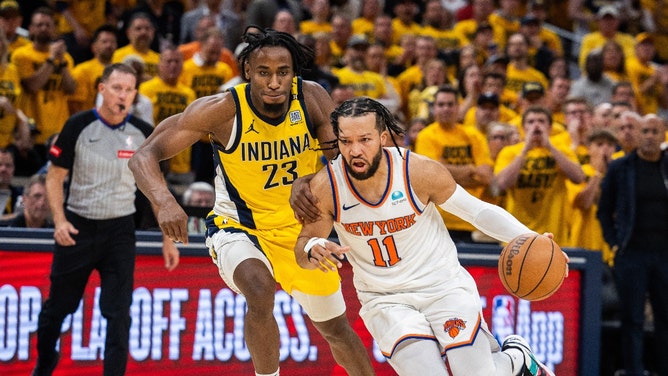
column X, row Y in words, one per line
column 255, row 171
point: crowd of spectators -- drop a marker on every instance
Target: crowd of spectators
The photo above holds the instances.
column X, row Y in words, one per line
column 522, row 116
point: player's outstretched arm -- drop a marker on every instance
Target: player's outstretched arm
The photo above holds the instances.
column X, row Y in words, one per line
column 171, row 136
column 432, row 180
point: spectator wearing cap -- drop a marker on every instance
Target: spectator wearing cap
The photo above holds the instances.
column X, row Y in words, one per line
column 355, row 72
column 540, row 56
column 10, row 23
column 550, row 39
column 87, row 74
column 649, row 80
column 532, row 95
column 496, row 63
column 482, row 10
column 607, row 19
column 403, row 22
column 486, row 111
column 519, row 70
column 496, row 83
column 463, row 151
column 593, row 84
column 492, row 84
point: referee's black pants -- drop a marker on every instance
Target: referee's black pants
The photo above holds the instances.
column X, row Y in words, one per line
column 107, row 246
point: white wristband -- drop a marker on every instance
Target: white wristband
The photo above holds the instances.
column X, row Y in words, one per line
column 314, row 241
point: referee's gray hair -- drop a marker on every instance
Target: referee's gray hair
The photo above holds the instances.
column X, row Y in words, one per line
column 198, row 186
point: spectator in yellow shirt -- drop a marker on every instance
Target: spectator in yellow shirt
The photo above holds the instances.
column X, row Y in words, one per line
column 319, row 22
column 649, row 79
column 608, row 29
column 354, row 73
column 403, row 21
column 371, row 9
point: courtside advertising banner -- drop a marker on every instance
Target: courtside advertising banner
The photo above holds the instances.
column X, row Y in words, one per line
column 187, row 322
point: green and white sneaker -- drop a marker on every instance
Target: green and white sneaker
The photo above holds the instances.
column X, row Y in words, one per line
column 532, row 366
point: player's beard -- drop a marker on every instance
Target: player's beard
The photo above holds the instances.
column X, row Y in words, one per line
column 373, row 167
column 273, row 108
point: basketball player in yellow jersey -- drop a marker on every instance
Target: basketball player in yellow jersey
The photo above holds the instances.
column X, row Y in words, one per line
column 533, row 174
column 264, row 135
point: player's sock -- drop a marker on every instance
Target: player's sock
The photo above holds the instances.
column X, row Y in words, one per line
column 277, row 373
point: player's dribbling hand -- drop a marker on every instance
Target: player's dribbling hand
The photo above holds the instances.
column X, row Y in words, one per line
column 329, row 257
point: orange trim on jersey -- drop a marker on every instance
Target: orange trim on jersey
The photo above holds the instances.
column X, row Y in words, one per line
column 387, row 187
column 407, row 184
column 335, row 192
column 406, row 337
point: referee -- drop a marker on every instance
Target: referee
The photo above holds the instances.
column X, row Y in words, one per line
column 94, row 225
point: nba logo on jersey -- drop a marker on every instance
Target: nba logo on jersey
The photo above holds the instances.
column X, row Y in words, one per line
column 295, row 117
column 503, row 317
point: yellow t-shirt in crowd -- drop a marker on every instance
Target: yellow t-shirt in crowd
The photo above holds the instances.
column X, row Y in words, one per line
column 169, row 100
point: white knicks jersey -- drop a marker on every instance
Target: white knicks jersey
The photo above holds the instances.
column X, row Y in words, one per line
column 397, row 244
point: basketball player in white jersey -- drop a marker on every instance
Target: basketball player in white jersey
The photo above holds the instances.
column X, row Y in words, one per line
column 418, row 302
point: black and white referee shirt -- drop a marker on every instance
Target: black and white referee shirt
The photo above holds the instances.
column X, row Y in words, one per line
column 101, row 186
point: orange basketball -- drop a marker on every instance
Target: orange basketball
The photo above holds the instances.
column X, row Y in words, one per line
column 532, row 267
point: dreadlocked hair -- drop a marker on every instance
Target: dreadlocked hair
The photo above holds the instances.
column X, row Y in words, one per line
column 301, row 54
column 361, row 106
